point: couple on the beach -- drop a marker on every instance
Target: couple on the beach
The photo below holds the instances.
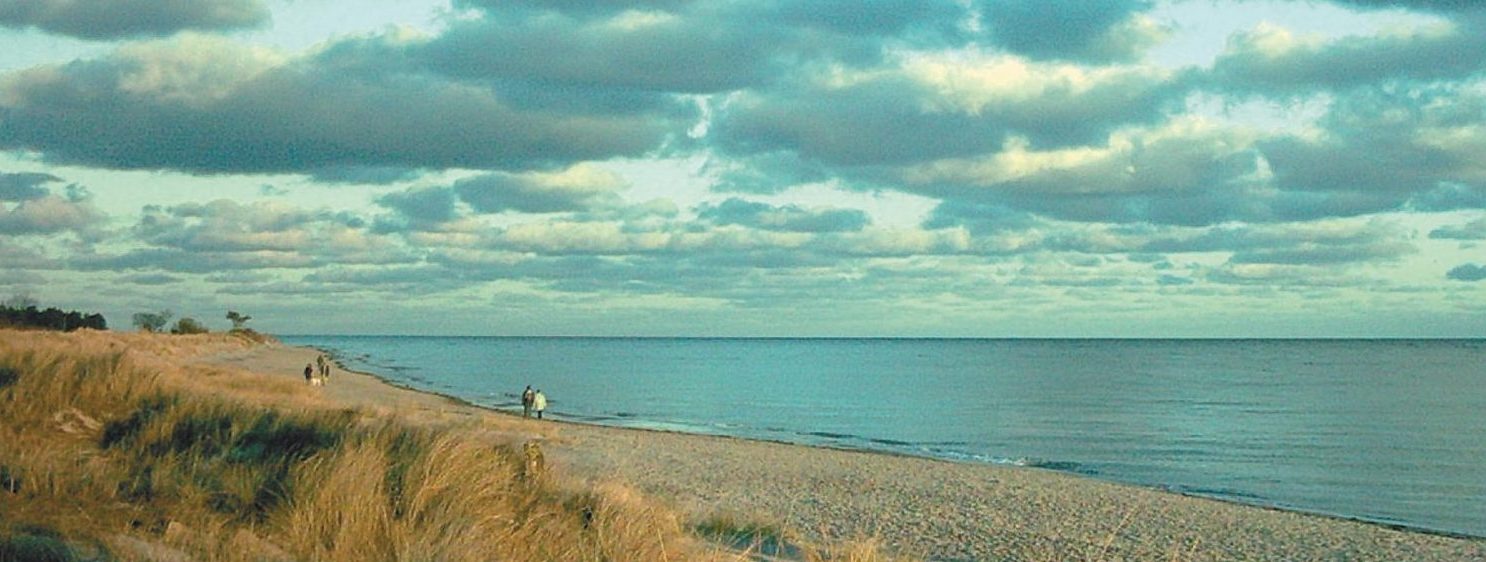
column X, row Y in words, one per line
column 532, row 400
column 322, row 366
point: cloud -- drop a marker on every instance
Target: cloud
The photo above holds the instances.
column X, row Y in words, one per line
column 1423, row 5
column 978, row 218
column 1449, row 196
column 50, row 214
column 642, row 52
column 1071, row 29
column 426, row 206
column 579, row 188
column 182, row 261
column 1328, row 243
column 1313, row 254
column 19, row 258
column 420, row 279
column 1273, row 61
column 789, row 218
column 1190, row 172
column 226, row 235
column 19, row 278
column 225, row 225
column 1266, row 276
column 706, row 46
column 154, row 279
column 1467, row 272
column 1382, row 150
column 579, row 7
column 116, row 19
column 355, row 174
column 937, row 107
column 25, row 186
column 207, row 105
column 1474, row 230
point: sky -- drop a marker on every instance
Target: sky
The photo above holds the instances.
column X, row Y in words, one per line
column 889, row 168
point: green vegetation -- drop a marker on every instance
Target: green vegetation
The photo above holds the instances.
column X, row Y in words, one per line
column 189, row 325
column 22, row 311
column 152, row 321
column 239, row 320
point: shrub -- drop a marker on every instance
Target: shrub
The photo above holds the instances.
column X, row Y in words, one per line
column 35, row 545
column 189, row 325
column 152, row 321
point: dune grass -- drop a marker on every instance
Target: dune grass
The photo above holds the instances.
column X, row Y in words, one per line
column 113, row 452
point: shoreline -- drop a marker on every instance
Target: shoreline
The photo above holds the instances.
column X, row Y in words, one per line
column 1045, row 510
column 1404, row 527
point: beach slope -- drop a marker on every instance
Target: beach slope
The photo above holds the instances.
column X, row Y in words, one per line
column 935, row 509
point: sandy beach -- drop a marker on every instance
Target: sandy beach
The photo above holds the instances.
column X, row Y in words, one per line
column 933, row 509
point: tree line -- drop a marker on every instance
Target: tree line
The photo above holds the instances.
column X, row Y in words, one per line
column 156, row 322
column 24, row 312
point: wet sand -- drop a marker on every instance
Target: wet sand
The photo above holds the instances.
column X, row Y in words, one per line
column 934, row 509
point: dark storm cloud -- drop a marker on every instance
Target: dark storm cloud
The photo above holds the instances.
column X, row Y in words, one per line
column 790, row 218
column 25, row 186
column 1067, row 29
column 1467, row 272
column 115, row 19
column 220, row 108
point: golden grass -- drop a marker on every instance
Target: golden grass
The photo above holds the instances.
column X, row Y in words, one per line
column 114, row 450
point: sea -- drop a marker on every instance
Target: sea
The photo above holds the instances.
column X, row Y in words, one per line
column 1385, row 431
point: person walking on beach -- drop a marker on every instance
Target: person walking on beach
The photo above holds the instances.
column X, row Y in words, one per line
column 539, row 403
column 527, row 399
column 309, row 373
column 324, row 366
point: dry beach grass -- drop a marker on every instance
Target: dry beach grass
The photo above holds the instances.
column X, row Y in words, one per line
column 120, row 447
column 212, row 448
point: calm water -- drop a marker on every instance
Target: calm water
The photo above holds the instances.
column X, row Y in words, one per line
column 1387, row 431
